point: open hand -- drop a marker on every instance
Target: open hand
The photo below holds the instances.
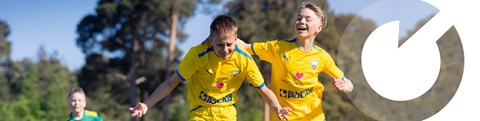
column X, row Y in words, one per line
column 139, row 111
column 282, row 113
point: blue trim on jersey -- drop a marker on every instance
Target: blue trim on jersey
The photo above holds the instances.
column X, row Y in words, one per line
column 242, row 52
column 205, row 52
column 343, row 78
column 317, row 48
column 180, row 76
column 196, row 108
column 313, row 45
column 293, row 40
column 261, row 86
column 253, row 49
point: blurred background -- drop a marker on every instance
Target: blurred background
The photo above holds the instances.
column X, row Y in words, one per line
column 119, row 51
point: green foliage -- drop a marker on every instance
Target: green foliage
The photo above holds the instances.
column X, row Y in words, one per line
column 4, row 61
column 250, row 104
column 32, row 103
column 180, row 104
column 37, row 91
column 55, row 97
column 261, row 20
column 4, row 44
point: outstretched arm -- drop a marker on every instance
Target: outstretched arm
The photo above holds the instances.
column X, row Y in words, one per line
column 270, row 98
column 344, row 85
column 160, row 92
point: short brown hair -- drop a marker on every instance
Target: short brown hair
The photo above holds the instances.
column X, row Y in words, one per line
column 316, row 9
column 75, row 90
column 223, row 25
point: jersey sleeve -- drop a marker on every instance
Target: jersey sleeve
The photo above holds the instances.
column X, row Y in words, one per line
column 188, row 66
column 265, row 50
column 331, row 69
column 253, row 75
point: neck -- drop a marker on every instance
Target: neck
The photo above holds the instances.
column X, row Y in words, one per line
column 77, row 115
column 305, row 44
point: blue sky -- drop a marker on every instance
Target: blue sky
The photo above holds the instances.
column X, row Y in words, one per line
column 53, row 24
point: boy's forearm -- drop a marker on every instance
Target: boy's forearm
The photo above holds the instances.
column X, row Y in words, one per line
column 162, row 90
column 270, row 98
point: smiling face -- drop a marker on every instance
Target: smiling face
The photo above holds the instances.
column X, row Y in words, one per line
column 224, row 46
column 77, row 102
column 308, row 24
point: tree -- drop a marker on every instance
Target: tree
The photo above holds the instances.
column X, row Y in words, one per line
column 38, row 90
column 27, row 104
column 31, row 91
column 4, row 61
column 4, row 44
column 125, row 41
column 55, row 81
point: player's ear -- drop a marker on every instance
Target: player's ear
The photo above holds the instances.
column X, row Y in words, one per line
column 236, row 37
column 209, row 39
column 319, row 29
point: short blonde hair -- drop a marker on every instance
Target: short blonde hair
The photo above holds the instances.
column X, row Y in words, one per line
column 75, row 90
column 316, row 9
column 223, row 25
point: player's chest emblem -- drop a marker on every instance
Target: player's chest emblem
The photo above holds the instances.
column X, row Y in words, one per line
column 314, row 64
column 235, row 72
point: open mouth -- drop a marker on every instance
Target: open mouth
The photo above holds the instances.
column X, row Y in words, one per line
column 301, row 28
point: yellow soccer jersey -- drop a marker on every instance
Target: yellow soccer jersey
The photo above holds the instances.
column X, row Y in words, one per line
column 295, row 76
column 213, row 81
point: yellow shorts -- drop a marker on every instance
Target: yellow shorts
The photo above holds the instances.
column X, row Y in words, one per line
column 221, row 113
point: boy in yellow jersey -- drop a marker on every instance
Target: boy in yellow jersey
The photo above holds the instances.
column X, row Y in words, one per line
column 77, row 103
column 214, row 72
column 296, row 64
